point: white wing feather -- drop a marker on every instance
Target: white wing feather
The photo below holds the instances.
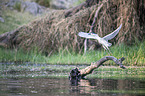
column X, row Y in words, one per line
column 113, row 34
column 86, row 35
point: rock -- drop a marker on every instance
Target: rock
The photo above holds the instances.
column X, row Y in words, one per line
column 62, row 4
column 11, row 3
column 2, row 20
column 32, row 8
column 26, row 6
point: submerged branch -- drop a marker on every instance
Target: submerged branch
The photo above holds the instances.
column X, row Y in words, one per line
column 77, row 74
column 89, row 69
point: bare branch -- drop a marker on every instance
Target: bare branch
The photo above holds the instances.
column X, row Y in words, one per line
column 89, row 69
column 96, row 15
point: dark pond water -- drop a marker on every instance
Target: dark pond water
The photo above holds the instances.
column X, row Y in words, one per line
column 63, row 87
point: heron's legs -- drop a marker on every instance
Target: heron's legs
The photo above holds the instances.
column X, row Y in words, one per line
column 107, row 49
column 85, row 46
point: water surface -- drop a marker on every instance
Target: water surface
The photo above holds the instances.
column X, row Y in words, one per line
column 63, row 87
column 52, row 80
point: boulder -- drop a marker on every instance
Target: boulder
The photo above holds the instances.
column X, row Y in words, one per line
column 26, row 6
column 62, row 4
column 32, row 7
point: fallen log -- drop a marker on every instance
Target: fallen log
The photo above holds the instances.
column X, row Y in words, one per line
column 8, row 39
column 78, row 74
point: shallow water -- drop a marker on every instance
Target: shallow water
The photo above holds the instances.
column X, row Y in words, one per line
column 52, row 80
column 63, row 87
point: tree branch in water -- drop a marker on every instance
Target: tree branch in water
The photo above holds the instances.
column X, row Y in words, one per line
column 88, row 70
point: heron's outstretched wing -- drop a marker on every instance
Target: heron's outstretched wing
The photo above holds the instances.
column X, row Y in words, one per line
column 87, row 35
column 113, row 34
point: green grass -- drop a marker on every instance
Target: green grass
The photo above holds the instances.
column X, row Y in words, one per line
column 134, row 55
column 14, row 19
column 14, row 55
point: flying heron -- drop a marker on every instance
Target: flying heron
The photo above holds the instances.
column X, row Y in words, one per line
column 103, row 40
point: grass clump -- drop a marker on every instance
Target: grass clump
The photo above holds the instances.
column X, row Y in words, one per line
column 8, row 55
column 134, row 55
column 19, row 55
column 75, row 58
